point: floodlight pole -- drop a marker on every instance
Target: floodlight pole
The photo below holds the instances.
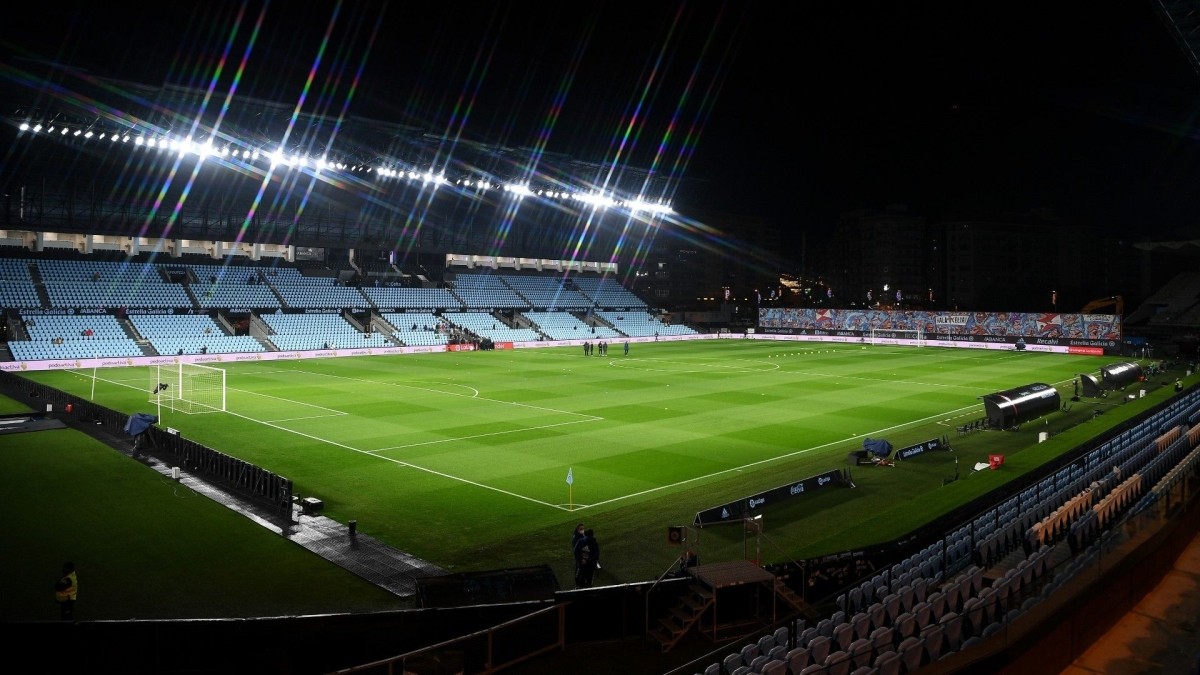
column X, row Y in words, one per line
column 756, row 524
column 758, row 540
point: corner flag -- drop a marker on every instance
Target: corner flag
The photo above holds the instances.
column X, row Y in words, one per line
column 570, row 477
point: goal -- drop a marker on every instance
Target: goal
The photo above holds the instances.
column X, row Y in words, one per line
column 914, row 338
column 188, row 388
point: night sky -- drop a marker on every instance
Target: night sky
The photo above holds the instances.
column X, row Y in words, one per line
column 791, row 111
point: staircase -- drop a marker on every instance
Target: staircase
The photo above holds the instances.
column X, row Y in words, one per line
column 788, row 596
column 680, row 619
column 39, row 285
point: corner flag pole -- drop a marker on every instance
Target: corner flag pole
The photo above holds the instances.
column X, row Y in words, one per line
column 570, row 489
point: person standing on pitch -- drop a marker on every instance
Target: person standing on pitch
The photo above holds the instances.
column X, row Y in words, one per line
column 66, row 591
column 587, row 559
column 578, row 536
column 627, row 348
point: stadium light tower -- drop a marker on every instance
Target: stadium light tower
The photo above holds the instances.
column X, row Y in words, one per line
column 754, row 525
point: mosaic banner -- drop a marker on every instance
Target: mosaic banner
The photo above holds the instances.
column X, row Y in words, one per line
column 1048, row 329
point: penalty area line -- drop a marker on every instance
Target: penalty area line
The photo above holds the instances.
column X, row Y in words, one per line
column 769, row 460
column 397, row 462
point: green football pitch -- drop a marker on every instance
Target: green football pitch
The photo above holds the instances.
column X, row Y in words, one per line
column 462, row 458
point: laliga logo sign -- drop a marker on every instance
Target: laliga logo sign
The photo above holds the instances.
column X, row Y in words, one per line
column 824, row 480
column 757, row 502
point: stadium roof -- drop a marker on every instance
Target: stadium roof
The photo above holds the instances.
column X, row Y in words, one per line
column 1183, row 21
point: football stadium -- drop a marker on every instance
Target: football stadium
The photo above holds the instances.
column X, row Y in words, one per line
column 336, row 411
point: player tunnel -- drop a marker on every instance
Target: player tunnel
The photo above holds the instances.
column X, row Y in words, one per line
column 1092, row 387
column 1118, row 375
column 1008, row 409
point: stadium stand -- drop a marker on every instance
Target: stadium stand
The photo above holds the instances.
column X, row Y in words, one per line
column 318, row 331
column 488, row 326
column 415, row 329
column 314, row 292
column 390, row 298
column 547, row 292
column 607, row 293
column 957, row 591
column 190, row 334
column 484, row 291
column 70, row 336
column 1177, row 303
column 224, row 286
column 641, row 324
column 566, row 326
column 102, row 283
column 16, row 285
column 1025, row 548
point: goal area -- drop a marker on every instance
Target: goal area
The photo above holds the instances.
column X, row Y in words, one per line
column 914, row 338
column 188, row 388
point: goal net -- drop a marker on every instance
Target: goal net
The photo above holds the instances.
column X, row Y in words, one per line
column 188, row 388
column 898, row 337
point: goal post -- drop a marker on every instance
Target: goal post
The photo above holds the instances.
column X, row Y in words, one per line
column 188, row 388
column 890, row 336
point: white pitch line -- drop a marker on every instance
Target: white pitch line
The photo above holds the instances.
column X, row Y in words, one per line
column 288, row 400
column 370, row 453
column 448, row 393
column 593, row 417
column 765, row 461
column 491, row 433
column 397, row 462
column 310, row 417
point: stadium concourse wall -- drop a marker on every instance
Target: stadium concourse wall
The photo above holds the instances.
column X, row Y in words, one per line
column 219, row 359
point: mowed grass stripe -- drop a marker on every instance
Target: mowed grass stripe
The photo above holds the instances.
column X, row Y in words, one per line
column 681, row 440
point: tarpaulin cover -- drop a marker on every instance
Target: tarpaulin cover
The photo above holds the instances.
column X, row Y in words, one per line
column 139, row 422
column 877, row 446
